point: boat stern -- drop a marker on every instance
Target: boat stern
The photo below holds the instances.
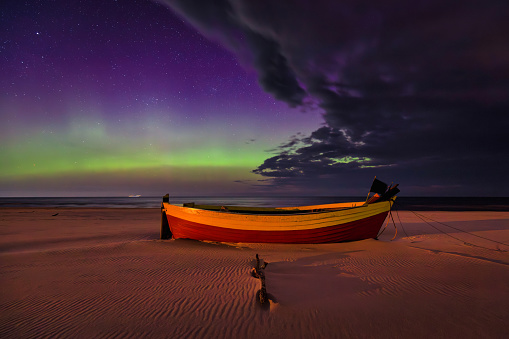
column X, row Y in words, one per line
column 165, row 226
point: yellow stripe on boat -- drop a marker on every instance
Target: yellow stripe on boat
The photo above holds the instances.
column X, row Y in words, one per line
column 285, row 222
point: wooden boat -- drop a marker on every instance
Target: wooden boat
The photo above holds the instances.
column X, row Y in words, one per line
column 305, row 224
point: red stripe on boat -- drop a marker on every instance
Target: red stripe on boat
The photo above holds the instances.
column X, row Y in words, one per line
column 356, row 230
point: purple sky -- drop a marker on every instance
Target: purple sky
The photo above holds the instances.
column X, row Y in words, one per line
column 240, row 97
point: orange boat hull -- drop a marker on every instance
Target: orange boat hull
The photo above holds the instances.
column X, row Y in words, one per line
column 356, row 230
column 306, row 224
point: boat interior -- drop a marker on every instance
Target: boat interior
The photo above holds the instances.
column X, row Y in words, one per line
column 277, row 210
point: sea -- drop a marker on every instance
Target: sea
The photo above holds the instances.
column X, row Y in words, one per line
column 402, row 203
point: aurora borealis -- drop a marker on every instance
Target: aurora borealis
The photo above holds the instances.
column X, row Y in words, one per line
column 97, row 97
column 239, row 97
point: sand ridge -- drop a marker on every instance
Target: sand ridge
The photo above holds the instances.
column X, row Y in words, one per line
column 104, row 273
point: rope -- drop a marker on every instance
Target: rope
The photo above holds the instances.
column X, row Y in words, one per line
column 420, row 216
column 387, row 223
column 457, row 229
column 438, row 229
column 395, row 234
column 379, row 234
column 466, row 243
column 397, row 214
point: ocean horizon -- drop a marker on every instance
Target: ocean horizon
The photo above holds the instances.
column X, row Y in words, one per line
column 402, row 203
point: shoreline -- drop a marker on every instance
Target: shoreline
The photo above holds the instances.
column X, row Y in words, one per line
column 97, row 272
column 402, row 203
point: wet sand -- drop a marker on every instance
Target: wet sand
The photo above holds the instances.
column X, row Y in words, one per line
column 104, row 273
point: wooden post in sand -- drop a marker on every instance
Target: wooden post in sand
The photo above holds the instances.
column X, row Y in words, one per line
column 165, row 227
column 258, row 272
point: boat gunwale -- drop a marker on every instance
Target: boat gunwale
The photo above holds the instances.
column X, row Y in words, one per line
column 323, row 213
column 279, row 211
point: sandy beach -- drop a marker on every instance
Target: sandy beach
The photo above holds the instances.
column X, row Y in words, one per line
column 84, row 272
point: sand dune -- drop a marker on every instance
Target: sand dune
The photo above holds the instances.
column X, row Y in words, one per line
column 104, row 273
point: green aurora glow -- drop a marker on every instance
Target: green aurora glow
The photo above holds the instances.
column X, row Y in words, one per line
column 89, row 154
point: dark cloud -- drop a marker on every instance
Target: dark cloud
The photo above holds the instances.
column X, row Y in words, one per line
column 221, row 20
column 413, row 89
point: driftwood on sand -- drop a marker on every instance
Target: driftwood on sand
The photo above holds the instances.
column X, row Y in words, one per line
column 259, row 272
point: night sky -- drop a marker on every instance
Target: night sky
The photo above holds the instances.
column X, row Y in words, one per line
column 106, row 97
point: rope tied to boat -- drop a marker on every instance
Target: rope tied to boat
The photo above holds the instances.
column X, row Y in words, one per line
column 394, row 223
column 399, row 219
column 422, row 217
column 396, row 233
column 387, row 223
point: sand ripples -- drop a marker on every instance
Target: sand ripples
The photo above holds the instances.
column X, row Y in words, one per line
column 402, row 275
column 130, row 286
column 122, row 294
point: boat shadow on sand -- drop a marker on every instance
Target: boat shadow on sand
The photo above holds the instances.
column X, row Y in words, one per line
column 315, row 280
column 206, row 244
